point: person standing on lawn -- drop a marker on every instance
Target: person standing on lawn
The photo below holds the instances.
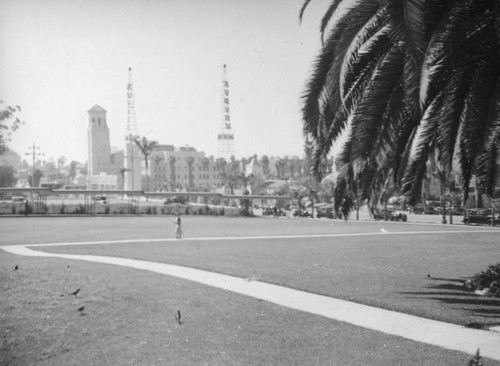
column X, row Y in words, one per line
column 178, row 227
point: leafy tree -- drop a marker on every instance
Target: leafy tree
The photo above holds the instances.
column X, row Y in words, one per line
column 405, row 79
column 9, row 123
column 72, row 169
column 7, row 176
column 38, row 176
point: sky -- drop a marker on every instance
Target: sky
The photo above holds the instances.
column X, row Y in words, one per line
column 61, row 57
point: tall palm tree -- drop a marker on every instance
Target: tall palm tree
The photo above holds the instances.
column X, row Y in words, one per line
column 146, row 147
column 404, row 79
column 190, row 163
column 264, row 161
column 172, row 175
column 122, row 172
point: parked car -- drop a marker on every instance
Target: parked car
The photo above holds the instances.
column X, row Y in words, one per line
column 390, row 214
column 329, row 213
column 398, row 216
column 268, row 211
column 478, row 216
column 301, row 213
column 102, row 199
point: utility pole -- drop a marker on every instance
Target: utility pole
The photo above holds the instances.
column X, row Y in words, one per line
column 35, row 151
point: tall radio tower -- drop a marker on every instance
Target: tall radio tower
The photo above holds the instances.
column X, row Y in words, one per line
column 131, row 156
column 225, row 137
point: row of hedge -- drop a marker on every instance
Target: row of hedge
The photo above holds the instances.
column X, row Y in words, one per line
column 19, row 208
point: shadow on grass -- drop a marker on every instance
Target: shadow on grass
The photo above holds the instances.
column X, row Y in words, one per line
column 450, row 291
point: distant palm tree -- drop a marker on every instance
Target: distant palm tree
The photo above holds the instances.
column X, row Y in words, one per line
column 146, row 147
column 264, row 161
column 407, row 78
column 190, row 163
column 171, row 163
column 122, row 171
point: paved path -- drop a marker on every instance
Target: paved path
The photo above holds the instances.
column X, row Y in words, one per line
column 432, row 332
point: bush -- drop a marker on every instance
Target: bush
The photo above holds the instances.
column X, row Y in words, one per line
column 488, row 280
column 62, row 210
column 476, row 360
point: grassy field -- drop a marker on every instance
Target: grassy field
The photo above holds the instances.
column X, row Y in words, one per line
column 129, row 314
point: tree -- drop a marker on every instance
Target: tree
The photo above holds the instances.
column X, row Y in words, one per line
column 171, row 163
column 9, row 123
column 122, row 172
column 72, row 169
column 405, row 79
column 38, row 176
column 7, row 176
column 190, row 163
column 265, row 164
column 146, row 147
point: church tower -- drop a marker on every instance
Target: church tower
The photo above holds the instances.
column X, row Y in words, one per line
column 225, row 137
column 99, row 148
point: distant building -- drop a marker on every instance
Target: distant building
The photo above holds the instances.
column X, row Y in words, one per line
column 98, row 141
column 183, row 169
column 101, row 171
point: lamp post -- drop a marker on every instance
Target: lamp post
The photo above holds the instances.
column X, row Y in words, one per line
column 35, row 151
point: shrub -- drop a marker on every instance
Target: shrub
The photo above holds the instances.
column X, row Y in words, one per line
column 476, row 360
column 62, row 210
column 488, row 279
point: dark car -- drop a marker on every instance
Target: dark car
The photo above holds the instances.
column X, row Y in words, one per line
column 398, row 216
column 268, row 211
column 102, row 199
column 301, row 213
column 478, row 216
column 390, row 214
column 330, row 214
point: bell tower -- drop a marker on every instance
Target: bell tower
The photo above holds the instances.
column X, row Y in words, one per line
column 99, row 148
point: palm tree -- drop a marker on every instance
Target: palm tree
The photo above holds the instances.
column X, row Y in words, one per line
column 190, row 162
column 158, row 163
column 407, row 78
column 122, row 172
column 264, row 161
column 171, row 163
column 146, row 147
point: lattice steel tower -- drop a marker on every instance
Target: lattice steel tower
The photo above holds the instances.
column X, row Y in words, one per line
column 131, row 156
column 225, row 137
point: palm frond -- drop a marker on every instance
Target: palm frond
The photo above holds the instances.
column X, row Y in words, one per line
column 328, row 16
column 303, row 9
column 446, row 39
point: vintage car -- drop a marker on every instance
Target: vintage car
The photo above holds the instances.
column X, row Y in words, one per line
column 479, row 216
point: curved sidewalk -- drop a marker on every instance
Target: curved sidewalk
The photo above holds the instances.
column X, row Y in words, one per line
column 449, row 336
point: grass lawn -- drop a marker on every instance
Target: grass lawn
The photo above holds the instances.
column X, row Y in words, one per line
column 129, row 314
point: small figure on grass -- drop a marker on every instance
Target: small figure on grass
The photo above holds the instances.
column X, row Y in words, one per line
column 178, row 227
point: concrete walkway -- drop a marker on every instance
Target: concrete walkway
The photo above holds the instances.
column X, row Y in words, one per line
column 449, row 336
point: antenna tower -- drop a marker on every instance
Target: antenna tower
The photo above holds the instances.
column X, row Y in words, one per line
column 131, row 156
column 225, row 137
column 132, row 131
